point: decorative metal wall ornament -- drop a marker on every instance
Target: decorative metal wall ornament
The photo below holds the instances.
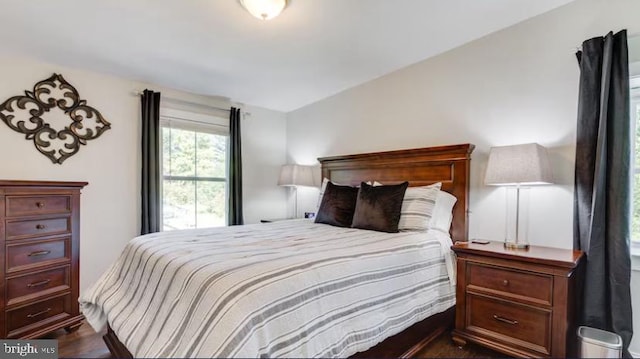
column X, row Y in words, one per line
column 24, row 114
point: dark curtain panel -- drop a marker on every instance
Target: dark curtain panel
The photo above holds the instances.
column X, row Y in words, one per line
column 150, row 162
column 235, row 169
column 603, row 178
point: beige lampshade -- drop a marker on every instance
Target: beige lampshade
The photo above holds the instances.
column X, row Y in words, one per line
column 296, row 175
column 525, row 164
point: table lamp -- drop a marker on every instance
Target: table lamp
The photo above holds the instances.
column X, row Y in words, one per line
column 518, row 166
column 295, row 176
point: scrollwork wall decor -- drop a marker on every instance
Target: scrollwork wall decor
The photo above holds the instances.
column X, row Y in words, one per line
column 25, row 114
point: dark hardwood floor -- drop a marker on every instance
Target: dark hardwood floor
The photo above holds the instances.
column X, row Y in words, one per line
column 85, row 343
column 443, row 347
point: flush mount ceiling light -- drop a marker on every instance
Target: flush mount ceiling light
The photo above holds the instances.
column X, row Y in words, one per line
column 264, row 9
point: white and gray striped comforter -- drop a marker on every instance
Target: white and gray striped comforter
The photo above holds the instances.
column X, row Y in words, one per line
column 283, row 289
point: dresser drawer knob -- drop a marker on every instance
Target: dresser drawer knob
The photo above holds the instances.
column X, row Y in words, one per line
column 38, row 253
column 39, row 313
column 40, row 226
column 505, row 320
column 505, row 282
column 40, row 204
column 37, row 284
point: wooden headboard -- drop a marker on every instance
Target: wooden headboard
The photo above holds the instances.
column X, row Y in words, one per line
column 420, row 166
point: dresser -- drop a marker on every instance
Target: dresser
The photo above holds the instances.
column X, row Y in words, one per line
column 520, row 303
column 40, row 234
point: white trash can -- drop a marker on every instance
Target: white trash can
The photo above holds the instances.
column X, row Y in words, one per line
column 597, row 343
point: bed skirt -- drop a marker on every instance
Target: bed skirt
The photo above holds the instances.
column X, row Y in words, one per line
column 405, row 344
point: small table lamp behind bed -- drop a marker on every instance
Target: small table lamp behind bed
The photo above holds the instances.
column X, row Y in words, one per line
column 295, row 176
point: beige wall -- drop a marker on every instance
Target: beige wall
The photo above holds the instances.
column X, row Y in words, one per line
column 110, row 203
column 515, row 86
column 264, row 152
column 518, row 85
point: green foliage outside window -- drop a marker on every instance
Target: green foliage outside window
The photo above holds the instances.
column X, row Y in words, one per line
column 199, row 199
column 635, row 224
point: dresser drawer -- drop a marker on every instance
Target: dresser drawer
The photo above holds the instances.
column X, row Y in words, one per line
column 533, row 287
column 28, row 206
column 23, row 320
column 41, row 283
column 38, row 227
column 516, row 324
column 31, row 254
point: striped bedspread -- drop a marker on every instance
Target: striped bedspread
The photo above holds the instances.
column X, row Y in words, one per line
column 282, row 289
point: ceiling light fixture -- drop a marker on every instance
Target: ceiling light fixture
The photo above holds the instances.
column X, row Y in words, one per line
column 264, row 9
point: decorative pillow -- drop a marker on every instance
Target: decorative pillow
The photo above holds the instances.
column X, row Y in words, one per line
column 338, row 205
column 323, row 187
column 378, row 207
column 443, row 212
column 417, row 207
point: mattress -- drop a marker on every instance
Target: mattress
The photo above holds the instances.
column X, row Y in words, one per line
column 282, row 289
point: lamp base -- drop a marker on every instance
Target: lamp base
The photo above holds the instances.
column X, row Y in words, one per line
column 516, row 246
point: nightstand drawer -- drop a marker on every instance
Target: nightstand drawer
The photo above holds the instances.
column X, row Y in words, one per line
column 512, row 323
column 532, row 287
column 33, row 285
column 27, row 206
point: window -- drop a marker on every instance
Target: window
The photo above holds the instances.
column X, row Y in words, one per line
column 194, row 171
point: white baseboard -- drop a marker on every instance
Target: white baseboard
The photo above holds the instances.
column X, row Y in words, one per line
column 634, row 354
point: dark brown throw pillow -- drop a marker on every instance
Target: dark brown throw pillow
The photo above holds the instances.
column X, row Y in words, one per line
column 337, row 206
column 378, row 207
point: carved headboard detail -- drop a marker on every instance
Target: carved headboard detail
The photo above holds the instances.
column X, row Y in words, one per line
column 420, row 166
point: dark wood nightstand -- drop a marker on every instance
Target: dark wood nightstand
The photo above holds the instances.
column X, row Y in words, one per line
column 521, row 303
column 274, row 220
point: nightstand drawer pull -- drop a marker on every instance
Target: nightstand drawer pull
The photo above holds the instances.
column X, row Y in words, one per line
column 505, row 320
column 38, row 253
column 37, row 284
column 505, row 282
column 39, row 313
column 40, row 226
column 40, row 204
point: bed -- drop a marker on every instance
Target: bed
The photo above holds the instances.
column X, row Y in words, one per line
column 147, row 315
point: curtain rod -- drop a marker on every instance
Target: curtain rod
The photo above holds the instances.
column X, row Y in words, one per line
column 178, row 101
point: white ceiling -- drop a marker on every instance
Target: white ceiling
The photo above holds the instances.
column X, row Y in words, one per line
column 315, row 49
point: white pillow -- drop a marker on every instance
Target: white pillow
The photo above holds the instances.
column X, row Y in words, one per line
column 443, row 211
column 323, row 187
column 418, row 207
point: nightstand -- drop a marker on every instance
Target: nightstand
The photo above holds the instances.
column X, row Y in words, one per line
column 274, row 220
column 521, row 303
